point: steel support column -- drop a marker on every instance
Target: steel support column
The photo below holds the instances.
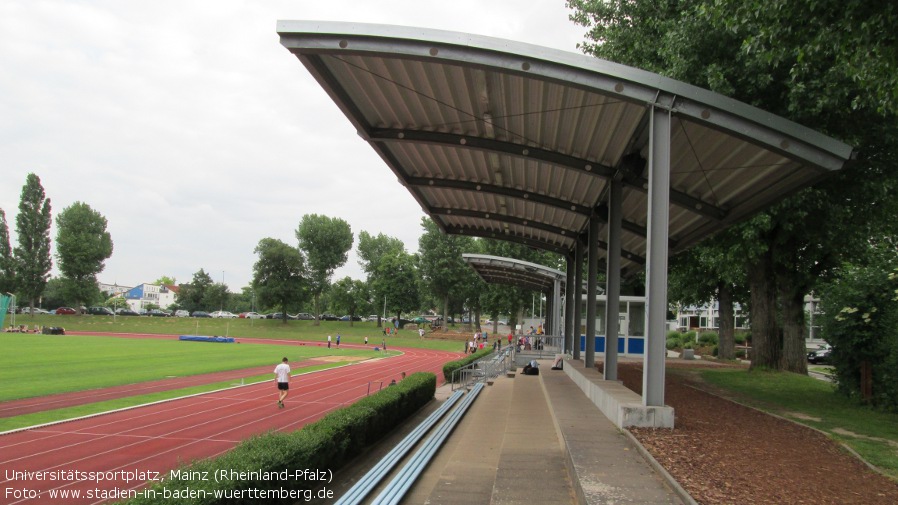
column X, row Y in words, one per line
column 578, row 307
column 612, row 280
column 556, row 308
column 656, row 258
column 592, row 273
column 571, row 298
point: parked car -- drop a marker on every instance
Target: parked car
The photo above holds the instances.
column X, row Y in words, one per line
column 182, row 313
column 126, row 312
column 37, row 311
column 820, row 355
column 100, row 311
column 68, row 311
column 348, row 317
column 329, row 317
column 158, row 313
column 305, row 316
column 200, row 313
column 373, row 317
column 223, row 314
column 252, row 315
column 279, row 315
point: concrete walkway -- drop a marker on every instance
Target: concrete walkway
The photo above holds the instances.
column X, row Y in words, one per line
column 530, row 440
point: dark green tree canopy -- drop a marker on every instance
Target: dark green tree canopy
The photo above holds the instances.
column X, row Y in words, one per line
column 32, row 253
column 82, row 247
column 191, row 296
column 7, row 261
column 279, row 275
column 326, row 242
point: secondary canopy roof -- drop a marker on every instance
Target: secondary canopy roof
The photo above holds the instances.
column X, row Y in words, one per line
column 501, row 139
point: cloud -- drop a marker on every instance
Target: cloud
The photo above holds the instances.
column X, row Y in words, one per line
column 196, row 134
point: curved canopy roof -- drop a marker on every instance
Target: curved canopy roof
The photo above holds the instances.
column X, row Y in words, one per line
column 501, row 139
column 513, row 272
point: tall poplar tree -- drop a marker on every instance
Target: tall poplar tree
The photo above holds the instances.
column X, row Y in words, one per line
column 32, row 255
column 7, row 263
column 82, row 247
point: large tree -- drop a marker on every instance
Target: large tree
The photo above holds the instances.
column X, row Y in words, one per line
column 326, row 242
column 191, row 296
column 7, row 261
column 711, row 271
column 372, row 250
column 829, row 65
column 32, row 253
column 398, row 279
column 350, row 295
column 279, row 276
column 82, row 247
column 441, row 265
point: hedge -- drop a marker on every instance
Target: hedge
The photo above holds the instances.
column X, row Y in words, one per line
column 452, row 366
column 325, row 445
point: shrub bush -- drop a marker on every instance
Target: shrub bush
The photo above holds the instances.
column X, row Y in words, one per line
column 324, row 445
column 708, row 338
column 672, row 343
column 673, row 334
column 689, row 336
column 452, row 366
column 741, row 337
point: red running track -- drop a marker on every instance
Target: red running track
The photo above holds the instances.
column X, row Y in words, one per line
column 158, row 438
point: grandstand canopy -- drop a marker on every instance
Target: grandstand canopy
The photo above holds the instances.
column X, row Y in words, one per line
column 507, row 140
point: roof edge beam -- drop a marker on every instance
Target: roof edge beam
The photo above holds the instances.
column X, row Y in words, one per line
column 433, row 182
column 454, row 140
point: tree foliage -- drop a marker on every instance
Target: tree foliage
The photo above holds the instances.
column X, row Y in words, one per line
column 397, row 278
column 165, row 280
column 326, row 242
column 828, row 65
column 192, row 296
column 82, row 247
column 32, row 253
column 441, row 266
column 860, row 320
column 351, row 296
column 372, row 252
column 7, row 261
column 279, row 275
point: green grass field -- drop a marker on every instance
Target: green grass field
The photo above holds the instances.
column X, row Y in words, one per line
column 238, row 328
column 33, row 365
column 36, row 365
column 873, row 434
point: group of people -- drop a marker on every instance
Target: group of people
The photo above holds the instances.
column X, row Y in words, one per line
column 477, row 342
column 338, row 341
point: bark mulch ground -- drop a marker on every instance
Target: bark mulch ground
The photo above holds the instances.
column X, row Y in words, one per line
column 725, row 453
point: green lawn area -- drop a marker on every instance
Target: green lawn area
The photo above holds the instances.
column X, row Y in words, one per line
column 36, row 365
column 238, row 328
column 812, row 402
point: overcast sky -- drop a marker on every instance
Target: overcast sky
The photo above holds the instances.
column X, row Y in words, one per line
column 196, row 134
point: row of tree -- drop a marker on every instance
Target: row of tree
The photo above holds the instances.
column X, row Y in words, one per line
column 289, row 278
column 82, row 247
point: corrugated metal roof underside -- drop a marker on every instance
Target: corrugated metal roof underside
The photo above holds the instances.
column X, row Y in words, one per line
column 508, row 271
column 493, row 147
